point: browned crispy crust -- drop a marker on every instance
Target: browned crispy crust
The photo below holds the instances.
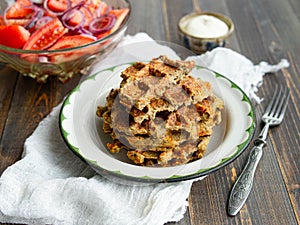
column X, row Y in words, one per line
column 161, row 115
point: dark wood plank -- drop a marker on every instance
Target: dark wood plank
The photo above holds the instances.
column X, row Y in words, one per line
column 246, row 30
column 279, row 26
column 146, row 18
column 285, row 139
column 7, row 82
column 173, row 11
column 31, row 102
column 184, row 221
column 295, row 4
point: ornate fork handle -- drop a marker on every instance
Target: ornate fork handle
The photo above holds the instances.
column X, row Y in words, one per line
column 243, row 185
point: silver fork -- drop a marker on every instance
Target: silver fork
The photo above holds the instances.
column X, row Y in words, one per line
column 273, row 116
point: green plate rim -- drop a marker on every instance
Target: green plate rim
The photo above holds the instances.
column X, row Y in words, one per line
column 174, row 178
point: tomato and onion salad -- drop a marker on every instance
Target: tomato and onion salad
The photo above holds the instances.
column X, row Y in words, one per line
column 40, row 24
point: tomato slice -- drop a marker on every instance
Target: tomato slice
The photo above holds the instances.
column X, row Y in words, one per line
column 20, row 9
column 102, row 35
column 69, row 42
column 76, row 18
column 21, row 22
column 120, row 14
column 14, row 36
column 46, row 36
column 98, row 5
column 76, row 2
column 57, row 5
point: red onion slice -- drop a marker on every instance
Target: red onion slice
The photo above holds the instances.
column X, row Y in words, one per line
column 38, row 13
column 37, row 1
column 42, row 21
column 101, row 10
column 67, row 15
column 4, row 15
column 102, row 24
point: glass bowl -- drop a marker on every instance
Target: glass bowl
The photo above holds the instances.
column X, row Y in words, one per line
column 63, row 63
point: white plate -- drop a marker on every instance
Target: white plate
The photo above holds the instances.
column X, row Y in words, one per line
column 82, row 129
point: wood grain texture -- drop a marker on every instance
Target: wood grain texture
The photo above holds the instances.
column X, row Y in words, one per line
column 276, row 27
column 146, row 18
column 174, row 10
column 7, row 83
column 30, row 103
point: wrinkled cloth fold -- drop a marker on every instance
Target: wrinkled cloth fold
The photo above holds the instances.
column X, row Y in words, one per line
column 50, row 185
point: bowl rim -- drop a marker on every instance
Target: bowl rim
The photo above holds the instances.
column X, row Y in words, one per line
column 222, row 17
column 123, row 25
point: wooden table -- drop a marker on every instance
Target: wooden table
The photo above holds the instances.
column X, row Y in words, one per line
column 264, row 31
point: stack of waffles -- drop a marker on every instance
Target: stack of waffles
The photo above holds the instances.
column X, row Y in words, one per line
column 160, row 114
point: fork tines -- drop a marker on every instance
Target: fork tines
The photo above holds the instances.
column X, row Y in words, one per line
column 278, row 103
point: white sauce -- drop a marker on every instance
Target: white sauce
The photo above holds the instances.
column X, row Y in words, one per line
column 205, row 26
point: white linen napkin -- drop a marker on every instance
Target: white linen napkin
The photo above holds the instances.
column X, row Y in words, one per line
column 50, row 185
